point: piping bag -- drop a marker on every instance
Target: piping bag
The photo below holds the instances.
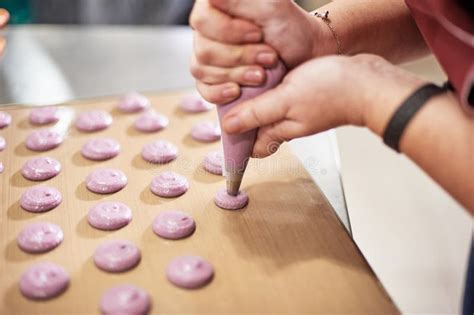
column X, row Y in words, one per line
column 238, row 147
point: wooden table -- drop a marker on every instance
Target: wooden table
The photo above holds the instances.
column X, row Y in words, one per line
column 286, row 252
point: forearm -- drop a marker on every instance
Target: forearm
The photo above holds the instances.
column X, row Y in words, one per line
column 440, row 139
column 384, row 28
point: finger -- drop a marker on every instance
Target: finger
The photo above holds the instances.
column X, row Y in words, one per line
column 215, row 53
column 245, row 75
column 218, row 93
column 250, row 9
column 221, row 27
column 268, row 141
column 270, row 137
column 265, row 109
column 4, row 17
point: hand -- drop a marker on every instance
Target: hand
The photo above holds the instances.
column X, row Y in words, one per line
column 321, row 94
column 4, row 17
column 227, row 42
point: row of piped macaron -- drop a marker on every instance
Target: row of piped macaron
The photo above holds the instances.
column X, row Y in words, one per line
column 113, row 295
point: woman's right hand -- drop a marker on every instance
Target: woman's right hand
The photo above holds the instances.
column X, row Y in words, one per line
column 4, row 17
column 229, row 49
column 321, row 94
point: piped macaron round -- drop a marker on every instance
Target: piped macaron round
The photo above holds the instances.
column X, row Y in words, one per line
column 133, row 102
column 5, row 119
column 173, row 225
column 159, row 152
column 150, row 121
column 40, row 198
column 40, row 237
column 189, row 272
column 44, row 280
column 109, row 215
column 44, row 115
column 225, row 201
column 3, row 143
column 213, row 162
column 169, row 184
column 93, row 120
column 117, row 256
column 125, row 299
column 43, row 140
column 206, row 131
column 195, row 104
column 100, row 149
column 40, row 168
column 106, row 180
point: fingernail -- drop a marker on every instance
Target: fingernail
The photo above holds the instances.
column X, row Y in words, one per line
column 232, row 124
column 229, row 92
column 266, row 58
column 255, row 76
column 253, row 37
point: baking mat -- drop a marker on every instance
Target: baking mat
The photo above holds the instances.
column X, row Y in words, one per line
column 286, row 252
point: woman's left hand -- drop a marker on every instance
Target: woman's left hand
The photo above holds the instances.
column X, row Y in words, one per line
column 321, row 94
column 4, row 17
column 228, row 48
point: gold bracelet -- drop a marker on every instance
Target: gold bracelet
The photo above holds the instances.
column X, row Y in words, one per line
column 325, row 17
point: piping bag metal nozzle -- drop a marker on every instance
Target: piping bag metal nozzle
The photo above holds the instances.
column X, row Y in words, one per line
column 238, row 147
column 233, row 182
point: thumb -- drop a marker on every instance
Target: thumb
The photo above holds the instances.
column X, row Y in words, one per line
column 239, row 8
column 269, row 139
column 254, row 10
column 267, row 108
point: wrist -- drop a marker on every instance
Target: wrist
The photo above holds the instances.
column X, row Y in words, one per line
column 378, row 111
column 391, row 86
column 429, row 112
column 324, row 40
